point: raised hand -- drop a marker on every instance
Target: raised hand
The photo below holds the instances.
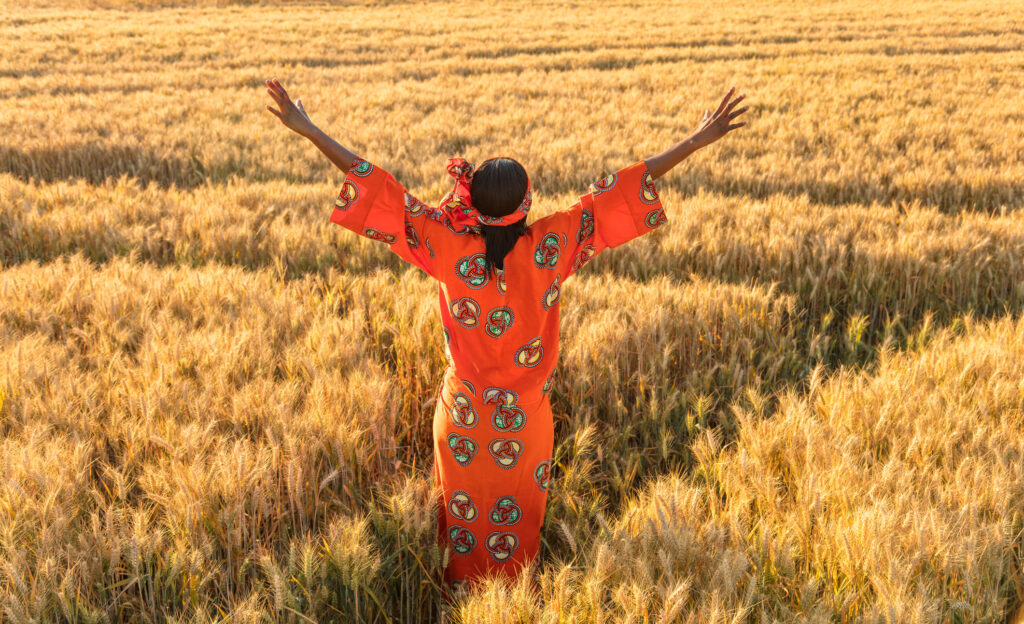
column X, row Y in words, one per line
column 714, row 126
column 291, row 114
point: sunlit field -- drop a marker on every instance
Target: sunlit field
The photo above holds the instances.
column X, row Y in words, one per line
column 800, row 400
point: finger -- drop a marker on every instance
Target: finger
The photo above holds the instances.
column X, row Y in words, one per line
column 734, row 103
column 277, row 97
column 276, row 114
column 279, row 93
column 273, row 87
column 298, row 103
column 735, row 125
column 721, row 106
column 733, row 114
column 283, row 92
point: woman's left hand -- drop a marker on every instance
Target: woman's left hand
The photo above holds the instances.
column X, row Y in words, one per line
column 714, row 126
column 291, row 115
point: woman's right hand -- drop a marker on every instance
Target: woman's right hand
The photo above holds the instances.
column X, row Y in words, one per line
column 293, row 116
column 715, row 126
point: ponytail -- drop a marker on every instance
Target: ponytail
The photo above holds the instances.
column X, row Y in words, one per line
column 499, row 240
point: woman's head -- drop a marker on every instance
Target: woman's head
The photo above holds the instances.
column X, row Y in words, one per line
column 499, row 186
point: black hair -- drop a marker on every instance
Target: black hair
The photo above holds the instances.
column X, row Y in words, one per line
column 499, row 186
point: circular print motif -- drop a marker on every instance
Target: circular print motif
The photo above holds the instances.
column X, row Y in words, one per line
column 463, row 448
column 447, row 346
column 583, row 256
column 541, row 474
column 647, row 193
column 586, row 226
column 552, row 294
column 349, row 193
column 508, row 418
column 499, row 280
column 472, row 270
column 466, row 311
column 411, row 237
column 461, row 506
column 500, row 395
column 655, row 218
column 547, row 382
column 505, row 511
column 414, row 206
column 530, row 354
column 462, row 539
column 505, row 451
column 501, row 545
column 376, row 234
column 603, row 184
column 546, row 253
column 469, row 229
column 462, row 412
column 361, row 168
column 498, row 321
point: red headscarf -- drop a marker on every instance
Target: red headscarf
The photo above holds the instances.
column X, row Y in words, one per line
column 457, row 204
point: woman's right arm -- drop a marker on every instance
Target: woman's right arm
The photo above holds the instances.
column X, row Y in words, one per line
column 712, row 127
column 371, row 202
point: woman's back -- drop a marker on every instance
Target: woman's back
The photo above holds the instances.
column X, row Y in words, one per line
column 503, row 326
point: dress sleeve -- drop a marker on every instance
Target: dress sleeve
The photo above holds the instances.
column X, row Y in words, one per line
column 373, row 204
column 618, row 209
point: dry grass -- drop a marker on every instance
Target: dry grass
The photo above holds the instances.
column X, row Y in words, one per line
column 885, row 497
column 800, row 400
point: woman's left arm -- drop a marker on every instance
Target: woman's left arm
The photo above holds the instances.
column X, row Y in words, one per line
column 713, row 126
column 294, row 117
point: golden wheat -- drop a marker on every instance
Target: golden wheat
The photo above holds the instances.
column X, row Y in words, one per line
column 800, row 400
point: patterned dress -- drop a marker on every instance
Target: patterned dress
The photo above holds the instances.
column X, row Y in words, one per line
column 493, row 431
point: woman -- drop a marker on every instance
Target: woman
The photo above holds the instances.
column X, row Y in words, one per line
column 500, row 284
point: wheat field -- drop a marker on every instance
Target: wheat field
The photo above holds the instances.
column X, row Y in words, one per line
column 801, row 400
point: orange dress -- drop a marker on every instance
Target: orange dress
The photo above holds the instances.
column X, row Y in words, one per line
column 493, row 431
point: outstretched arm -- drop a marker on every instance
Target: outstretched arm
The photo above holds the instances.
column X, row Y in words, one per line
column 712, row 127
column 370, row 201
column 294, row 117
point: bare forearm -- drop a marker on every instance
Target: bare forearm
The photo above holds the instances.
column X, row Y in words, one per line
column 334, row 151
column 661, row 164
